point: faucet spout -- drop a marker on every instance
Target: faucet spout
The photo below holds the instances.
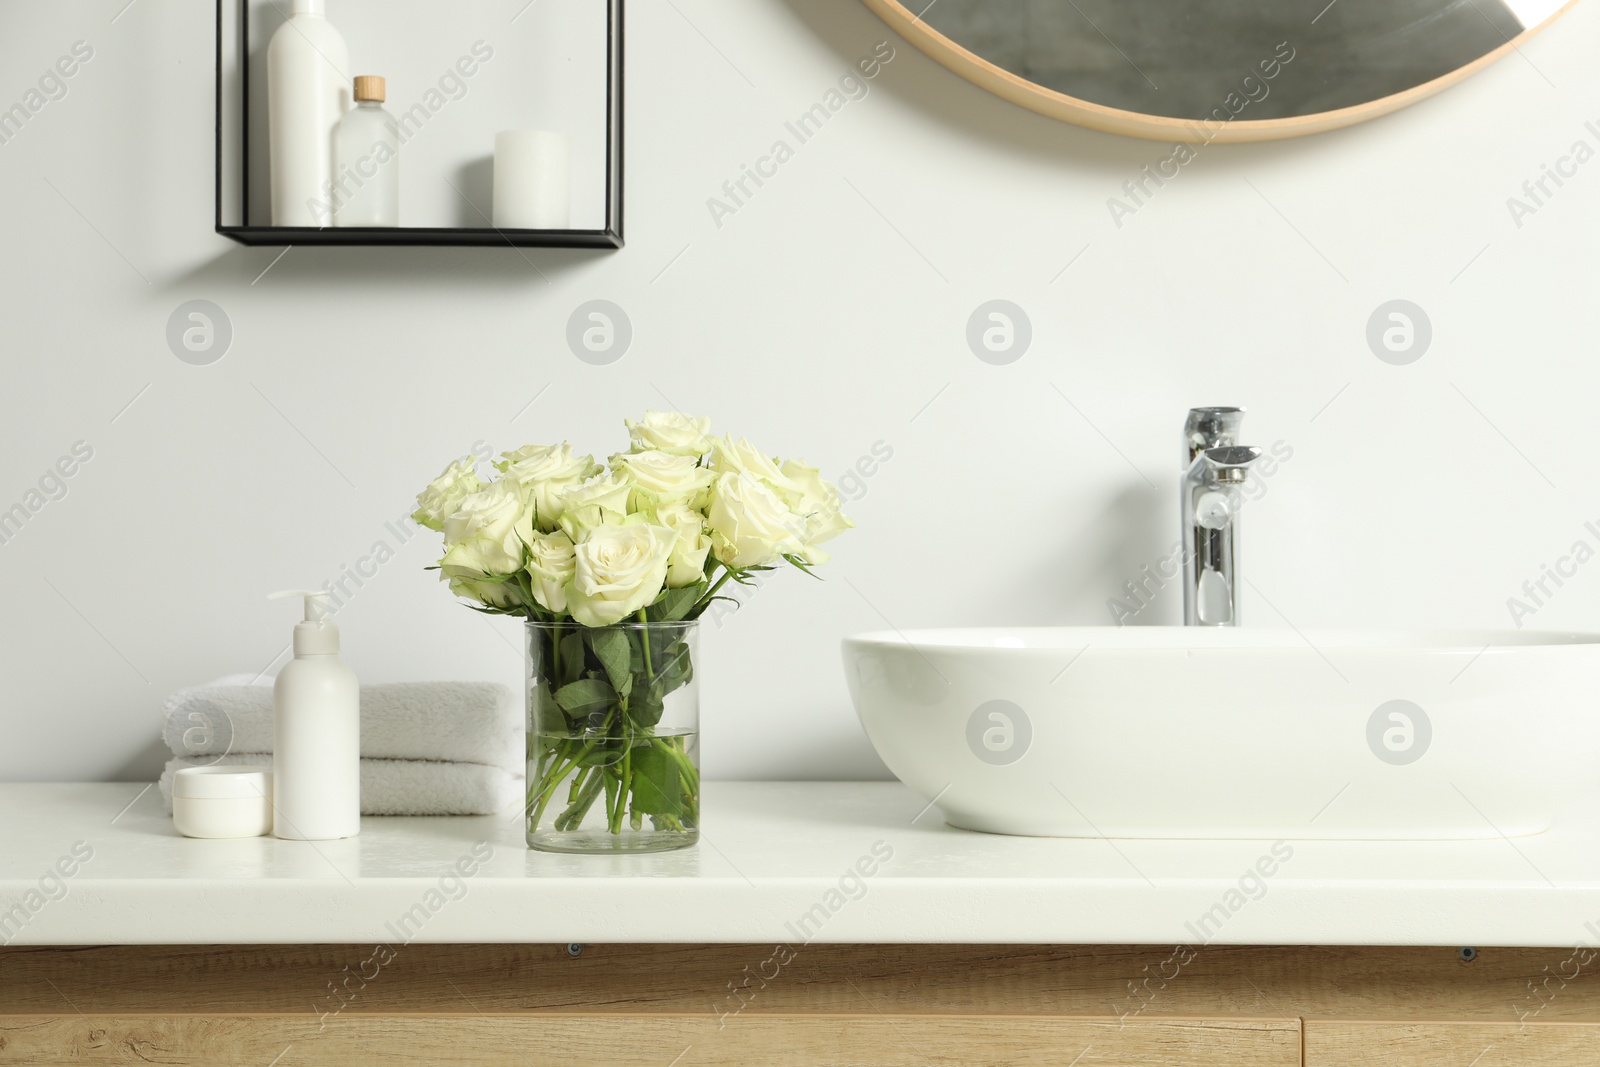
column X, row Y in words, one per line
column 1210, row 503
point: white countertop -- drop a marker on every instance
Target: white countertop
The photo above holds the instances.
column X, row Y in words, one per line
column 770, row 854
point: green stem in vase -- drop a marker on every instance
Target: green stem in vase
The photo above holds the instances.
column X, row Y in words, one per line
column 644, row 640
column 613, row 798
column 540, row 794
column 573, row 815
column 550, row 781
column 562, row 766
column 624, row 782
column 681, row 758
column 562, row 760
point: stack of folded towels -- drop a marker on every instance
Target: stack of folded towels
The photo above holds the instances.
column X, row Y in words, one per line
column 427, row 748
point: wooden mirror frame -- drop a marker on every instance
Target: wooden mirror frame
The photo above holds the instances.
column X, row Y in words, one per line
column 1035, row 97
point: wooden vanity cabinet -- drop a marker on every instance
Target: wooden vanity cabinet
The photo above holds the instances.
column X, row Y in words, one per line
column 738, row 1005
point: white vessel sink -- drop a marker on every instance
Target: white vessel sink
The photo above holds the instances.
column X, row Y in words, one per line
column 1171, row 732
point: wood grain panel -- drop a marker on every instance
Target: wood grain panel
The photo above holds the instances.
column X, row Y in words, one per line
column 616, row 1040
column 1500, row 986
column 1356, row 1044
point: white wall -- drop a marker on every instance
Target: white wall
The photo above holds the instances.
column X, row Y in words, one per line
column 820, row 319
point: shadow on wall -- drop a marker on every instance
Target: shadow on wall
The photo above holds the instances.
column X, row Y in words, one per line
column 1137, row 529
column 332, row 267
column 1084, row 561
column 476, row 181
column 144, row 766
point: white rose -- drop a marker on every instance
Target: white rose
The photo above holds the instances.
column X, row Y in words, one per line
column 600, row 501
column 618, row 570
column 688, row 563
column 484, row 541
column 750, row 524
column 818, row 510
column 661, row 478
column 543, row 472
column 547, row 463
column 670, row 431
column 551, row 563
column 490, row 528
column 445, row 493
column 741, row 457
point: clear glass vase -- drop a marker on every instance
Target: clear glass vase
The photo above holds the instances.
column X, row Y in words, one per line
column 613, row 737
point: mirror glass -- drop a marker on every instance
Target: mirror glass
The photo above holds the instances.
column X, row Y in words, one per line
column 1251, row 59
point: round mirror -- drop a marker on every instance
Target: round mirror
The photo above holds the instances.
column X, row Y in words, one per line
column 1216, row 70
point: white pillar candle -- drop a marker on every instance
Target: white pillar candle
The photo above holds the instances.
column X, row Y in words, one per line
column 532, row 180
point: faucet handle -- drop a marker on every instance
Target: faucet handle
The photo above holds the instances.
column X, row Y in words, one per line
column 1207, row 428
column 1230, row 464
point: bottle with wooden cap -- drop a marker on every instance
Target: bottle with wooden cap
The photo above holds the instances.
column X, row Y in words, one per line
column 366, row 154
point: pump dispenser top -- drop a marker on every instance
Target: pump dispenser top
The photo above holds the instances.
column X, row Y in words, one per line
column 317, row 635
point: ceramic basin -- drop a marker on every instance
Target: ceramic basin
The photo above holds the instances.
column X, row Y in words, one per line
column 1236, row 733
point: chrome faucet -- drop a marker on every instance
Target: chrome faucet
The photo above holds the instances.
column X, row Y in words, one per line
column 1215, row 465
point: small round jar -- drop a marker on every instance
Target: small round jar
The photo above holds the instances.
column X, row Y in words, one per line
column 222, row 801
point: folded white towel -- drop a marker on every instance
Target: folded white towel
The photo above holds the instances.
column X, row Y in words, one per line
column 401, row 787
column 466, row 722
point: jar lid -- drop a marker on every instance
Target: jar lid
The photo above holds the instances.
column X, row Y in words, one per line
column 229, row 782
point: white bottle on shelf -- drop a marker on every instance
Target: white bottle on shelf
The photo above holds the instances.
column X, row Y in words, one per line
column 366, row 161
column 308, row 91
column 316, row 744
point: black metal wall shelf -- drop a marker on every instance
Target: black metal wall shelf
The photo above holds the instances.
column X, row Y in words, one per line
column 234, row 127
column 417, row 236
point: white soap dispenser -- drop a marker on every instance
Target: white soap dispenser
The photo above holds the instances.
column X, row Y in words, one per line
column 316, row 748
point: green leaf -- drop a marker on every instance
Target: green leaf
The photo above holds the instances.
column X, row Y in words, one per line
column 611, row 648
column 657, row 785
column 801, row 565
column 608, row 754
column 547, row 713
column 673, row 669
column 586, row 698
column 572, row 657
column 742, row 575
column 552, row 749
column 674, row 604
column 646, row 707
column 666, row 638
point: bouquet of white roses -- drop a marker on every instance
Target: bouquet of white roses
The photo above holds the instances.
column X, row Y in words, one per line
column 588, row 553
